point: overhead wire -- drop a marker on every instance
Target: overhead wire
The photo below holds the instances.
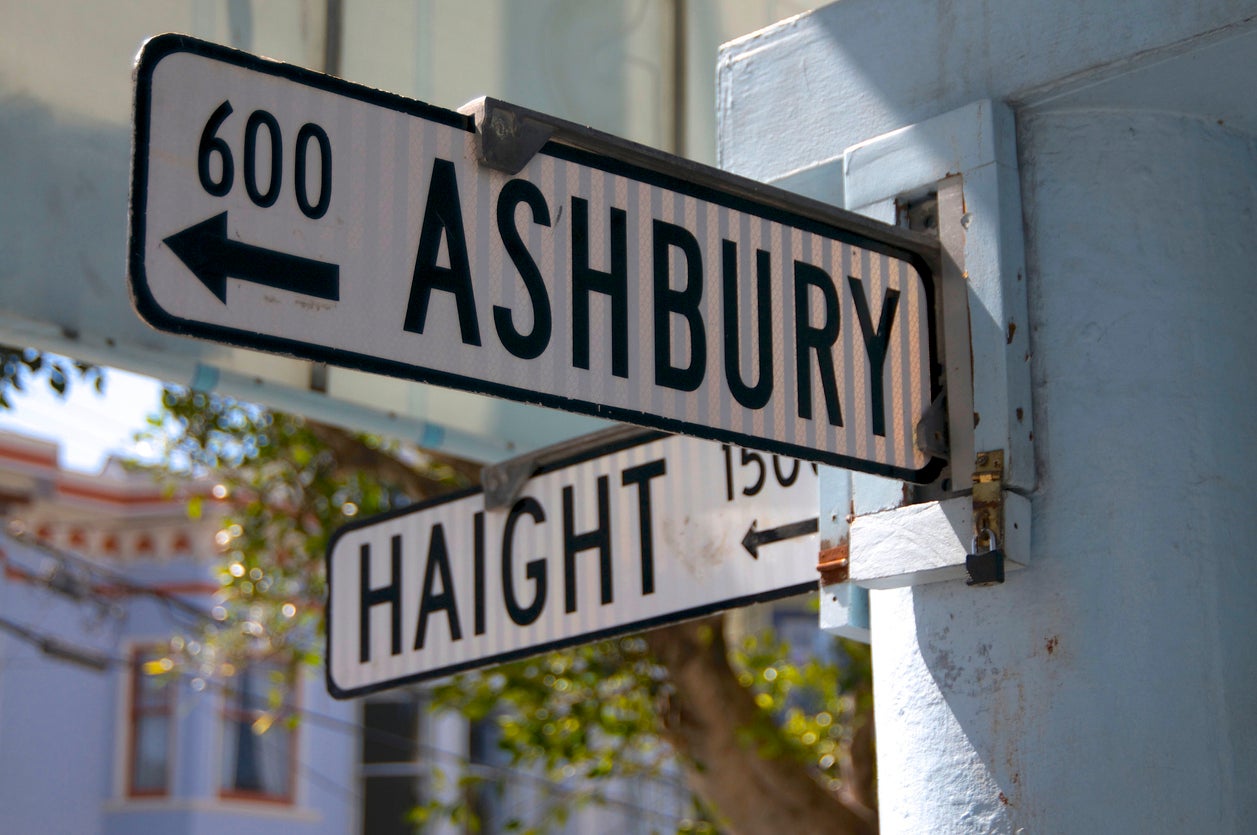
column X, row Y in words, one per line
column 104, row 584
column 118, row 583
column 100, row 661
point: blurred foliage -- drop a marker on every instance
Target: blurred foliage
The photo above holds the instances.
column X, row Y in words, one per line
column 284, row 493
column 811, row 709
column 590, row 712
column 19, row 367
column 574, row 718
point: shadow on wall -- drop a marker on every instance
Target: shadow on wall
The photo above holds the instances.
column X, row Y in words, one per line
column 63, row 225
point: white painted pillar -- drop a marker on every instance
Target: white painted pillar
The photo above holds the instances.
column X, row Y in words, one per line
column 1111, row 686
column 448, row 741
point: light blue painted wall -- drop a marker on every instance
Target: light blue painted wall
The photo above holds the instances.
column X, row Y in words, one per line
column 56, row 741
column 62, row 733
column 1111, row 686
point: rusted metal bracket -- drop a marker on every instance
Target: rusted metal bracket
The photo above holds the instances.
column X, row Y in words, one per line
column 503, row 481
column 988, row 497
column 834, row 564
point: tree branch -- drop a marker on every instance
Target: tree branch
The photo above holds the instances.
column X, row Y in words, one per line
column 723, row 739
column 711, row 719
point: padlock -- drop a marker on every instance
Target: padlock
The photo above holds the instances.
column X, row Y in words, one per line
column 986, row 568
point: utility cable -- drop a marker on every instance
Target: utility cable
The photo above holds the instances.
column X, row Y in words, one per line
column 103, row 661
column 55, row 647
column 116, row 579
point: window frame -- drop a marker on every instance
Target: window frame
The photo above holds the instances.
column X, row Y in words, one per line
column 378, row 773
column 138, row 708
column 233, row 714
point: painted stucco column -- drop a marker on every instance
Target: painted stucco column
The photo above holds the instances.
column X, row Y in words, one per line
column 1109, row 688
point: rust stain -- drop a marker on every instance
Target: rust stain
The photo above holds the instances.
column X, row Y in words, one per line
column 1052, row 643
column 1003, row 798
column 988, row 511
column 1012, row 329
column 834, row 564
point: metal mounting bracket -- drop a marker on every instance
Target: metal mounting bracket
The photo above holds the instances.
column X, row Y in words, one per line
column 931, row 429
column 508, row 136
column 988, row 496
column 503, row 481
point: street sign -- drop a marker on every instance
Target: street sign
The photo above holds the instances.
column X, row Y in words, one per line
column 620, row 539
column 279, row 209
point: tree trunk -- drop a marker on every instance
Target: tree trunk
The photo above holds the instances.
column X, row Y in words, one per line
column 710, row 720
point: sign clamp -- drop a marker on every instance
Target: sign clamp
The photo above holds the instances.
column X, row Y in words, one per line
column 508, row 136
column 502, row 481
column 931, row 430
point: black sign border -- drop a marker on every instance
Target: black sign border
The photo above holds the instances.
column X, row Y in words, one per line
column 162, row 46
column 610, row 448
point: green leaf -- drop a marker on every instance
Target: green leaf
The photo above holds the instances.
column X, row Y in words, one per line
column 581, row 717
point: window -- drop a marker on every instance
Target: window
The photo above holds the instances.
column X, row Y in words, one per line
column 258, row 740
column 491, row 796
column 799, row 630
column 392, row 777
column 152, row 709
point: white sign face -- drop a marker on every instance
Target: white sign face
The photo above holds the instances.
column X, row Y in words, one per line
column 633, row 537
column 279, row 209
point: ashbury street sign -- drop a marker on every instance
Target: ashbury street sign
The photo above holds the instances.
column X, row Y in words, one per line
column 621, row 539
column 279, row 209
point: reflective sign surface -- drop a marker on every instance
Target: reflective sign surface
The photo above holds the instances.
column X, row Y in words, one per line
column 620, row 540
column 283, row 210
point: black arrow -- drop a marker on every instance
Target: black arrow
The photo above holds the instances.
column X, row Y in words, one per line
column 754, row 538
column 206, row 250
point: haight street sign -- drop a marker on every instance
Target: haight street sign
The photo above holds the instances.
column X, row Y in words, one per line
column 635, row 535
column 279, row 209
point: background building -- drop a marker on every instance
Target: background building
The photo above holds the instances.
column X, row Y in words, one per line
column 101, row 573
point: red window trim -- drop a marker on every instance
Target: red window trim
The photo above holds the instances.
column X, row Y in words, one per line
column 232, row 714
column 135, row 711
